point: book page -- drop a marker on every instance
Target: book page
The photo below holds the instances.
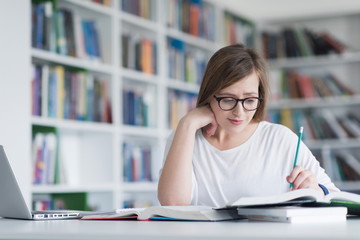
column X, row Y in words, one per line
column 300, row 195
column 343, row 196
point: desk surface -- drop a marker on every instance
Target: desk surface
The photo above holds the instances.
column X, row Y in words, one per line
column 242, row 229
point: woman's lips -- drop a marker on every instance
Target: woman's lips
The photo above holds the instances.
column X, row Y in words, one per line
column 235, row 122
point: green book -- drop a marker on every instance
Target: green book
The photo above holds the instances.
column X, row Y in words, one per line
column 70, row 201
column 304, row 197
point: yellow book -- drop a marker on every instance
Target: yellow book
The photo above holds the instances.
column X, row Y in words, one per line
column 60, row 77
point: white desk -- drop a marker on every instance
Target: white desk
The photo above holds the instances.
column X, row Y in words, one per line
column 158, row 230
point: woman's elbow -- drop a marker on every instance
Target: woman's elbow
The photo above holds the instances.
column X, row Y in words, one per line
column 171, row 201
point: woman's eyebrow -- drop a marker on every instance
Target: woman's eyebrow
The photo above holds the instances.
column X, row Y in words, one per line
column 245, row 94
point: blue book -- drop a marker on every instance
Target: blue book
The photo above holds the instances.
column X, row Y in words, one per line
column 40, row 15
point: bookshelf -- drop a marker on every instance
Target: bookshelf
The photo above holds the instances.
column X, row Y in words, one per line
column 290, row 63
column 94, row 150
column 120, row 63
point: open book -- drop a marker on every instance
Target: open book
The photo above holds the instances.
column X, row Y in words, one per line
column 295, row 214
column 190, row 213
column 309, row 197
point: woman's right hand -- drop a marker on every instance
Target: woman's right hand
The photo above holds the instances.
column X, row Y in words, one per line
column 202, row 117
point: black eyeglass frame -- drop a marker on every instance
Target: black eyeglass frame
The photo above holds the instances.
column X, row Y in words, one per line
column 218, row 99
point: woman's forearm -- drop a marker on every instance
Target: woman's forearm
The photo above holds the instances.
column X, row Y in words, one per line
column 176, row 179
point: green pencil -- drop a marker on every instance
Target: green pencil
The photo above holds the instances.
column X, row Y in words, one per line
column 297, row 149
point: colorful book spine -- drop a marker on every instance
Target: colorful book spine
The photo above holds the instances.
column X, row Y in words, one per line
column 137, row 162
column 238, row 30
column 195, row 17
column 139, row 53
column 63, row 31
column 139, row 107
column 59, row 92
column 44, row 154
column 294, row 84
column 180, row 103
column 318, row 124
column 300, row 42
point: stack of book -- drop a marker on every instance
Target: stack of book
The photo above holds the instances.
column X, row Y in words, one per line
column 304, row 205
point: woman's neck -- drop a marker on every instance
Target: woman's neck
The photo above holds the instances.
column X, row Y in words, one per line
column 224, row 140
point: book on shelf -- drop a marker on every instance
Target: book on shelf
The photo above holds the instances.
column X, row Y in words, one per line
column 65, row 93
column 334, row 124
column 138, row 53
column 179, row 104
column 176, row 58
column 295, row 84
column 195, row 17
column 45, row 155
column 61, row 201
column 318, row 124
column 238, row 30
column 351, row 126
column 173, row 213
column 348, row 164
column 299, row 42
column 295, row 214
column 306, row 196
column 102, row 2
column 63, row 31
column 138, row 106
column 139, row 8
column 137, row 162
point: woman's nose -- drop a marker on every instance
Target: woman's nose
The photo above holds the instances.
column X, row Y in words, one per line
column 238, row 109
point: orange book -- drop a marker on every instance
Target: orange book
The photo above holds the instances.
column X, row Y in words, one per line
column 147, row 56
column 194, row 19
column 306, row 87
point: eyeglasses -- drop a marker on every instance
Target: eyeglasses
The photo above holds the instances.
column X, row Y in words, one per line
column 229, row 103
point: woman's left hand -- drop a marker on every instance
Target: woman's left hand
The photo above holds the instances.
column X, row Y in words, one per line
column 303, row 178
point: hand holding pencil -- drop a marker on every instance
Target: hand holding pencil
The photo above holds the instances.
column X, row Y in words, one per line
column 299, row 176
column 297, row 150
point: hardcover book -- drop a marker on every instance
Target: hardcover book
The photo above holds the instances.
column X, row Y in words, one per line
column 304, row 197
column 177, row 213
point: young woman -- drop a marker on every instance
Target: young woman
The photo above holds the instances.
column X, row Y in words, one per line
column 223, row 150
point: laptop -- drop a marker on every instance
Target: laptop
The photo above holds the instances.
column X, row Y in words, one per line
column 12, row 202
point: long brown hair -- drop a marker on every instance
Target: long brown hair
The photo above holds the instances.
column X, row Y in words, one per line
column 229, row 65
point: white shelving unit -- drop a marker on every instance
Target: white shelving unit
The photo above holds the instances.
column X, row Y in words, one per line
column 15, row 129
column 345, row 66
column 95, row 149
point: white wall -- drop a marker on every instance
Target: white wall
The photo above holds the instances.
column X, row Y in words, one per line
column 15, row 127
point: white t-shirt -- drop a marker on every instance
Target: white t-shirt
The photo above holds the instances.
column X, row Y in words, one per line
column 257, row 167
